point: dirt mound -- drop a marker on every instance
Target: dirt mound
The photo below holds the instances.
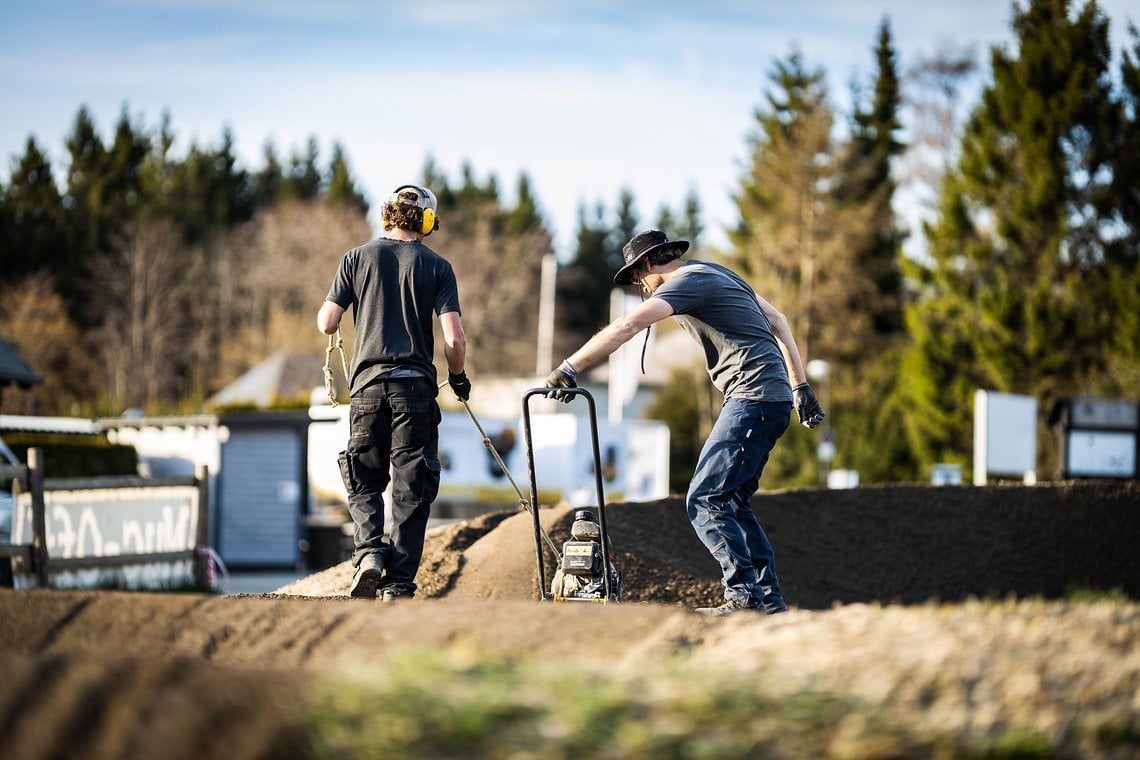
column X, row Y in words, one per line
column 107, row 674
column 888, row 544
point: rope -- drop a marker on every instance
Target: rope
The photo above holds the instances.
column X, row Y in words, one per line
column 524, row 502
column 335, row 343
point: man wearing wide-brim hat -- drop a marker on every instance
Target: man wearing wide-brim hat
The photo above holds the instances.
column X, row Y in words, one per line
column 753, row 360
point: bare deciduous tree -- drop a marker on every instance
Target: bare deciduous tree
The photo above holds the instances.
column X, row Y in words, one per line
column 498, row 276
column 272, row 276
column 138, row 293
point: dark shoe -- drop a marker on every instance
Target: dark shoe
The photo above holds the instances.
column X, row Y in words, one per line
column 367, row 578
column 730, row 607
column 395, row 593
column 773, row 604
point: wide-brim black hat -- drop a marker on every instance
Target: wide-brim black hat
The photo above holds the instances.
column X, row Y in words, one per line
column 641, row 244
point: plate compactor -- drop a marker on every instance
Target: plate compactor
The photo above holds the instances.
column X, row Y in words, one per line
column 585, row 569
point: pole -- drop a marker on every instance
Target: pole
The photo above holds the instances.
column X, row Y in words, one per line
column 544, row 358
column 202, row 530
column 39, row 516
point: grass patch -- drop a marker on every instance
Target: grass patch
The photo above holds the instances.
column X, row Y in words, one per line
column 1090, row 595
column 443, row 704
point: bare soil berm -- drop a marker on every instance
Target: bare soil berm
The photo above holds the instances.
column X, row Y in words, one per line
column 882, row 581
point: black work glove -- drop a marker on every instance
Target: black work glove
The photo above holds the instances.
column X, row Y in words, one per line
column 807, row 406
column 564, row 376
column 460, row 385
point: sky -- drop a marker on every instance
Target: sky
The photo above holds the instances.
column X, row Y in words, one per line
column 586, row 97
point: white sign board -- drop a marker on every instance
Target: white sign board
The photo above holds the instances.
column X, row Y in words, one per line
column 1005, row 435
column 113, row 522
column 1092, row 453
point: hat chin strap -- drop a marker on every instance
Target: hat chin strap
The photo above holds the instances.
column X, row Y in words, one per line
column 645, row 344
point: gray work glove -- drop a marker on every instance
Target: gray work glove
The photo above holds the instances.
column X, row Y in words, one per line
column 807, row 406
column 564, row 376
column 460, row 385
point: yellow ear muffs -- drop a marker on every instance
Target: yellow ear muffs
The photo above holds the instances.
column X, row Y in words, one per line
column 428, row 225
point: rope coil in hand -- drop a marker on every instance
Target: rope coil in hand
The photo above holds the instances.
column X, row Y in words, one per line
column 335, row 343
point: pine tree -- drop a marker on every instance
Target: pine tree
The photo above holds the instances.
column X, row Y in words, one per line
column 32, row 235
column 526, row 214
column 867, row 184
column 1017, row 296
column 691, row 226
column 341, row 187
column 269, row 180
column 1124, row 250
column 436, row 181
column 685, row 224
column 87, row 161
column 794, row 240
column 627, row 225
column 303, row 180
column 864, row 422
column 584, row 284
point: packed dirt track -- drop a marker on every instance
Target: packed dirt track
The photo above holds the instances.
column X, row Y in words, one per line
column 955, row 602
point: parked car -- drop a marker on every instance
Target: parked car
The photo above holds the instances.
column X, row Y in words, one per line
column 6, row 508
column 7, row 505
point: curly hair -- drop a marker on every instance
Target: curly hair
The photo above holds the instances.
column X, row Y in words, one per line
column 402, row 215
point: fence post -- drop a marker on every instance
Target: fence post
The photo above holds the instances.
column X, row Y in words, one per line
column 39, row 518
column 202, row 535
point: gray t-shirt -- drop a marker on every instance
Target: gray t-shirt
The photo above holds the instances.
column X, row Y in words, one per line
column 394, row 288
column 719, row 309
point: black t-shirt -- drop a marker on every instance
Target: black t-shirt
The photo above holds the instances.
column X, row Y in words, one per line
column 394, row 288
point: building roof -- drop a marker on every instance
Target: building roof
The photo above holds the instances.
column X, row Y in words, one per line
column 17, row 423
column 13, row 368
column 281, row 377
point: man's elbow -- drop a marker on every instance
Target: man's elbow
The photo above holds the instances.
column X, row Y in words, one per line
column 328, row 319
column 457, row 343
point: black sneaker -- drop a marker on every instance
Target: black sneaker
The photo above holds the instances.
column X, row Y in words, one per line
column 367, row 578
column 394, row 593
column 731, row 606
column 773, row 603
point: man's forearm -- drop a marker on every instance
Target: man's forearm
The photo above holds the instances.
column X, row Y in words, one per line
column 607, row 340
column 795, row 365
column 611, row 337
column 456, row 357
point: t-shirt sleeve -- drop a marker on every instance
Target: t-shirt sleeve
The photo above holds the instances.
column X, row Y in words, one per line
column 447, row 294
column 340, row 292
column 684, row 293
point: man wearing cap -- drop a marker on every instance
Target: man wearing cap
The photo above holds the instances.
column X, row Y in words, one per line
column 394, row 285
column 753, row 360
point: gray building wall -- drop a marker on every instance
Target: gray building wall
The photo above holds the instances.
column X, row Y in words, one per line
column 263, row 492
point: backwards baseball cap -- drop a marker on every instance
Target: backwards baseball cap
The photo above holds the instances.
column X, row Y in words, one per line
column 414, row 195
column 642, row 244
column 419, row 197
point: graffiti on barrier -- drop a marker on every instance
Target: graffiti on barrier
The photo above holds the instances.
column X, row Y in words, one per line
column 113, row 522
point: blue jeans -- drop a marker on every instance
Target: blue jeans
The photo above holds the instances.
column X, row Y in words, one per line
column 720, row 495
column 393, row 424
